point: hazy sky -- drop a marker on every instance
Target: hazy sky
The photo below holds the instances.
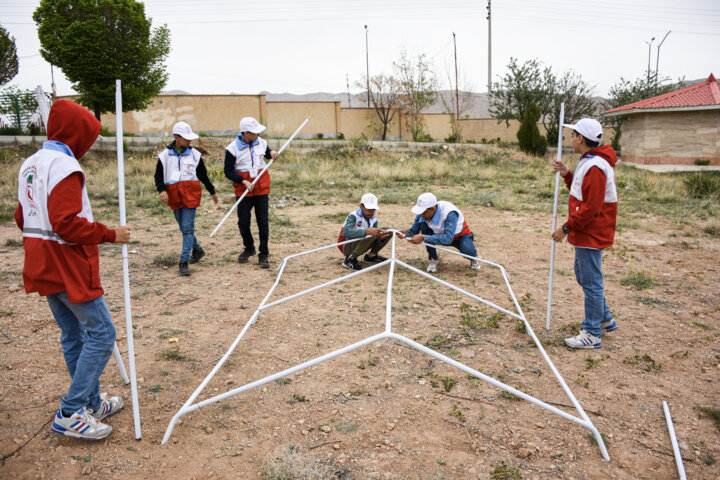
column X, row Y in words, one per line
column 223, row 46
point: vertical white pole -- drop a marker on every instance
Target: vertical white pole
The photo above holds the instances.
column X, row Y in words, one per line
column 43, row 105
column 554, row 223
column 124, row 250
column 673, row 440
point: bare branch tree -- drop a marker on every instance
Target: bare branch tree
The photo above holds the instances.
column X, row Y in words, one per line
column 457, row 103
column 384, row 97
column 418, row 87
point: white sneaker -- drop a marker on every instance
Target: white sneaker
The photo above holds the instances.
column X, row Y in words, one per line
column 433, row 266
column 80, row 424
column 475, row 264
column 583, row 340
column 109, row 406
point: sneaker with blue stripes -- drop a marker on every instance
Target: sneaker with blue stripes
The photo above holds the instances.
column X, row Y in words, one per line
column 608, row 326
column 108, row 406
column 80, row 424
column 583, row 340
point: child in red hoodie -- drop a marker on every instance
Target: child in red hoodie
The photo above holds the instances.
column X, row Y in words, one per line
column 590, row 226
column 61, row 262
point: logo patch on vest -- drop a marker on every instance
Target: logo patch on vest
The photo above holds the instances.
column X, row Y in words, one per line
column 30, row 174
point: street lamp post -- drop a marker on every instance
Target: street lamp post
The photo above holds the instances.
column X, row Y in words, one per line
column 657, row 58
column 367, row 66
column 648, row 70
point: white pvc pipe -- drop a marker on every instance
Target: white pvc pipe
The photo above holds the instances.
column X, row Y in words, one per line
column 388, row 301
column 43, row 105
column 673, row 440
column 554, row 222
column 258, row 177
column 124, row 252
column 120, row 364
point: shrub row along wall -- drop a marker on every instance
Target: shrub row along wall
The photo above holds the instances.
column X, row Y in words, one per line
column 221, row 114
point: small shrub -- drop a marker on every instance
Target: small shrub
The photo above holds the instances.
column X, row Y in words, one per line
column 174, row 355
column 13, row 242
column 639, row 278
column 457, row 413
column 529, row 138
column 346, row 427
column 701, row 162
column 165, row 259
column 293, row 463
column 505, row 472
column 712, row 230
column 703, row 185
column 644, row 360
column 297, row 399
column 448, row 383
column 712, row 413
column 708, row 459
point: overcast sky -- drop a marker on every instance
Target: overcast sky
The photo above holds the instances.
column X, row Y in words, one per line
column 224, row 46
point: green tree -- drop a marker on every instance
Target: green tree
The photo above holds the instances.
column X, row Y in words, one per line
column 577, row 95
column 8, row 57
column 18, row 106
column 522, row 85
column 95, row 42
column 418, row 87
column 528, row 135
column 625, row 92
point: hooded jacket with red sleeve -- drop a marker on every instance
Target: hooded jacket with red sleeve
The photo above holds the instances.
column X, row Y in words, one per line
column 593, row 199
column 60, row 237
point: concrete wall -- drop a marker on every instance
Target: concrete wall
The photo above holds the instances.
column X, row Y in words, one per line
column 207, row 113
column 285, row 117
column 677, row 138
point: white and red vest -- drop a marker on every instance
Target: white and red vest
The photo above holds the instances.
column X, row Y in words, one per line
column 181, row 181
column 39, row 174
column 581, row 170
column 249, row 162
column 360, row 222
column 445, row 208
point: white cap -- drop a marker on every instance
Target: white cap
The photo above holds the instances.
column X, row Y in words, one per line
column 369, row 201
column 184, row 130
column 249, row 124
column 588, row 128
column 424, row 201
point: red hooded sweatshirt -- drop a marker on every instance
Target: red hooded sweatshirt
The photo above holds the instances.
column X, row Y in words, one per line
column 592, row 220
column 53, row 267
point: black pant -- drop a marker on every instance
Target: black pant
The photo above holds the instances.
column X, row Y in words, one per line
column 260, row 203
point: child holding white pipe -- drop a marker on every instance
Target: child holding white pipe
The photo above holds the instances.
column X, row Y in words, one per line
column 244, row 160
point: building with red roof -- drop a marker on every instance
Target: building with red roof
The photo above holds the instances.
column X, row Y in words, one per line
column 681, row 127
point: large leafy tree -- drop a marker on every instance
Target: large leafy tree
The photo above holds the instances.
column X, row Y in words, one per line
column 625, row 92
column 576, row 94
column 95, row 42
column 385, row 99
column 521, row 86
column 8, row 57
column 418, row 86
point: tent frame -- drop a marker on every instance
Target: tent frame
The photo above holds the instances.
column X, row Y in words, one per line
column 582, row 420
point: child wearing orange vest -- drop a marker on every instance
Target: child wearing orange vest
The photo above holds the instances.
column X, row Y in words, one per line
column 440, row 223
column 61, row 241
column 244, row 160
column 180, row 169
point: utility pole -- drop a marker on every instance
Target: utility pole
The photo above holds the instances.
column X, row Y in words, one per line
column 367, row 66
column 52, row 81
column 649, row 47
column 457, row 97
column 489, row 48
column 657, row 59
column 347, row 80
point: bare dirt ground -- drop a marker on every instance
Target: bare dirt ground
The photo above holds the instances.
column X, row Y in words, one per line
column 383, row 411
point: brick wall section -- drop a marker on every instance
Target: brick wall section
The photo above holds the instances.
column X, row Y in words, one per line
column 678, row 138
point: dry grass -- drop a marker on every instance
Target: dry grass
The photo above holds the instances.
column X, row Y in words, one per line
column 293, row 463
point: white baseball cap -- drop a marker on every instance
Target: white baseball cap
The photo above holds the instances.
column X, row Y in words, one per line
column 249, row 124
column 369, row 201
column 588, row 128
column 184, row 130
column 424, row 201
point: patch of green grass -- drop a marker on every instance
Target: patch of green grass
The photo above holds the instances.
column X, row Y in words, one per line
column 13, row 242
column 166, row 259
column 644, row 360
column 591, row 363
column 712, row 230
column 155, row 388
column 356, row 393
column 174, row 355
column 297, row 399
column 448, row 383
column 511, row 396
column 593, row 440
column 346, row 427
column 439, row 342
column 457, row 413
column 640, row 279
column 712, row 413
column 283, row 381
column 703, row 184
column 294, row 463
column 505, row 472
column 702, row 326
column 85, row 459
column 708, row 459
column 338, row 217
column 7, row 313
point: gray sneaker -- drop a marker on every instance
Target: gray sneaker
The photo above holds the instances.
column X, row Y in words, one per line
column 80, row 424
column 108, row 406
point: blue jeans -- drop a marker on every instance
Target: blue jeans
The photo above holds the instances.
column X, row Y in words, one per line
column 588, row 272
column 464, row 244
column 186, row 221
column 87, row 339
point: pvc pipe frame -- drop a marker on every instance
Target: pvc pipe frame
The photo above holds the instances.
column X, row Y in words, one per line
column 673, row 440
column 554, row 222
column 258, row 178
column 124, row 252
column 583, row 420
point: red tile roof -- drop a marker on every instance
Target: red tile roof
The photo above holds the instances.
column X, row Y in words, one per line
column 702, row 94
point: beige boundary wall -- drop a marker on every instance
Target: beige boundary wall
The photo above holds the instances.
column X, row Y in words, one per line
column 221, row 114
